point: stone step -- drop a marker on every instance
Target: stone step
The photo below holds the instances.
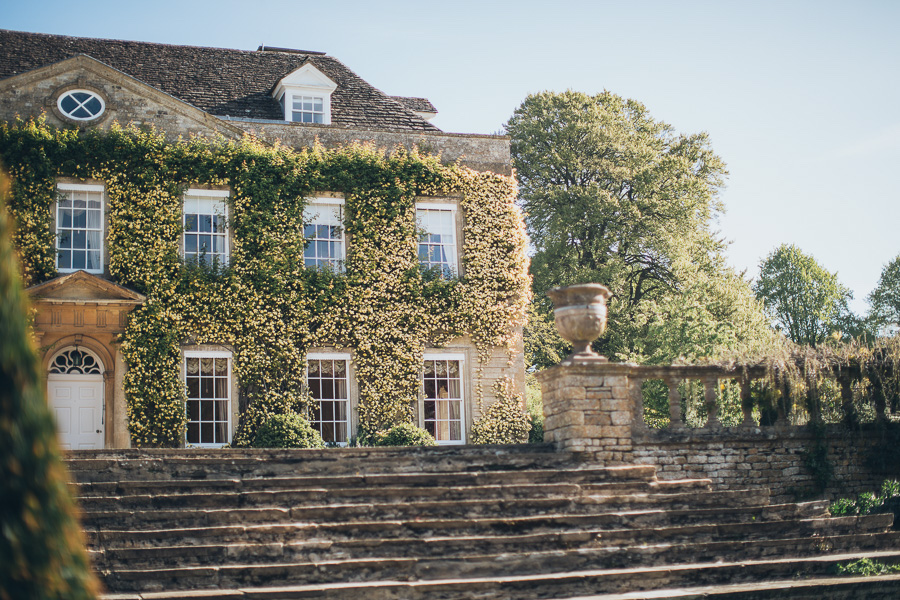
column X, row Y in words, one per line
column 882, row 587
column 615, row 529
column 322, row 496
column 112, row 465
column 646, row 515
column 595, row 548
column 629, row 474
column 479, row 576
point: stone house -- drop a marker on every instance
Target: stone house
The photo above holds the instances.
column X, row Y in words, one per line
column 291, row 97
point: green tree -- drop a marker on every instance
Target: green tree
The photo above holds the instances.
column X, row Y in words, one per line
column 42, row 555
column 613, row 196
column 885, row 299
column 804, row 300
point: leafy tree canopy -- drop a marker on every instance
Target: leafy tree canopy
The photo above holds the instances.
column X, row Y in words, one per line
column 613, row 196
column 804, row 300
column 885, row 299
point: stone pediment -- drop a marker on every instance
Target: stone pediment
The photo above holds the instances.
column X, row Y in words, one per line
column 82, row 287
column 122, row 90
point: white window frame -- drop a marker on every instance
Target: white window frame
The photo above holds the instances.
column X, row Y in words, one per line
column 345, row 356
column 69, row 115
column 311, row 203
column 451, row 250
column 457, row 356
column 221, row 195
column 300, row 97
column 82, row 187
column 230, row 387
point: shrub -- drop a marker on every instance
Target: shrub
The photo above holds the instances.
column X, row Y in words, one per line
column 402, row 434
column 504, row 422
column 287, row 431
column 42, row 555
column 887, row 501
column 867, row 568
column 535, row 407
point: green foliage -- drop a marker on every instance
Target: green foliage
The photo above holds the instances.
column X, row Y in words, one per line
column 266, row 306
column 42, row 555
column 287, row 431
column 534, row 405
column 803, row 299
column 504, row 421
column 402, row 434
column 885, row 299
column 886, row 501
column 867, row 567
column 613, row 196
column 543, row 345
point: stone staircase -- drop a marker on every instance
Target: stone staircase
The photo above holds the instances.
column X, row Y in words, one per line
column 517, row 522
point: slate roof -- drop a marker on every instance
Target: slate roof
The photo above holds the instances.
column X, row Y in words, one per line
column 220, row 81
column 416, row 104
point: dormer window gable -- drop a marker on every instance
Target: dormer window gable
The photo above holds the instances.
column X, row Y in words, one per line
column 305, row 95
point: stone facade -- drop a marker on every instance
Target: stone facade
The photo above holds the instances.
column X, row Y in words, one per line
column 220, row 93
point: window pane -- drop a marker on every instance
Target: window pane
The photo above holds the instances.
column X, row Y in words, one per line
column 221, row 387
column 190, row 243
column 193, row 433
column 221, row 366
column 79, row 261
column 221, row 433
column 79, row 217
column 206, row 366
column 64, row 259
column 190, row 222
column 65, row 239
column 206, row 388
column 93, row 240
column 93, row 260
column 193, row 386
column 93, row 219
column 207, row 433
column 193, row 410
column 192, row 365
column 79, row 238
column 205, row 222
column 65, row 218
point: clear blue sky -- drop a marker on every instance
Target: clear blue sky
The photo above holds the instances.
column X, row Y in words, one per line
column 800, row 98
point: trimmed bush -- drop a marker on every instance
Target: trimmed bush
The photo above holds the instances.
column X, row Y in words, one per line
column 287, row 431
column 403, row 434
column 504, row 422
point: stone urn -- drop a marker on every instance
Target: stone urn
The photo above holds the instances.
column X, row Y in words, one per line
column 580, row 312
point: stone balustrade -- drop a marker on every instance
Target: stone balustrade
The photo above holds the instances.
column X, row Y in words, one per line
column 596, row 408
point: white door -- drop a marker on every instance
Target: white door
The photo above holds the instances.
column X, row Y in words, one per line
column 77, row 403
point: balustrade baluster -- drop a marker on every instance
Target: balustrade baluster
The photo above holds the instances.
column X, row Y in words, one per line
column 710, row 383
column 674, row 403
column 747, row 401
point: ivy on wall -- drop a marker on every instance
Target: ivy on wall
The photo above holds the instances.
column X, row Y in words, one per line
column 265, row 305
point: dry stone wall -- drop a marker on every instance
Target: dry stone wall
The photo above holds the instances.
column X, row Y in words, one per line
column 593, row 407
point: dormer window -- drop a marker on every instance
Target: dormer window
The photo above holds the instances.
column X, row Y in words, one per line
column 305, row 95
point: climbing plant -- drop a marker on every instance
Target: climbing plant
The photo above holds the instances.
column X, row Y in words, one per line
column 265, row 305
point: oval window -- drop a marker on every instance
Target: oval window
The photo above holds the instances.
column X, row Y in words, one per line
column 81, row 105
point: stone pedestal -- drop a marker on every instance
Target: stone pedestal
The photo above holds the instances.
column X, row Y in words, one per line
column 588, row 408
